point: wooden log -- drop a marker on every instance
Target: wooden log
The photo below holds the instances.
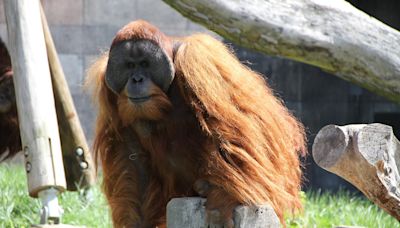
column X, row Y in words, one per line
column 34, row 96
column 190, row 212
column 368, row 156
column 332, row 35
column 78, row 162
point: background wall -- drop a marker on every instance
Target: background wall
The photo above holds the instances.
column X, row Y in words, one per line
column 82, row 29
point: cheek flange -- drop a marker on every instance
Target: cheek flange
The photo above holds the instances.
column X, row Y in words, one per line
column 160, row 68
column 164, row 74
column 115, row 84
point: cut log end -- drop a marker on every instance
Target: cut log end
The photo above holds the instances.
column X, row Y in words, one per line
column 374, row 141
column 329, row 145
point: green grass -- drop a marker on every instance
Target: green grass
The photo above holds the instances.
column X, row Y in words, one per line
column 342, row 208
column 17, row 209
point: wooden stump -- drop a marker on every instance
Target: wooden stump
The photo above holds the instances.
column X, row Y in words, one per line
column 365, row 155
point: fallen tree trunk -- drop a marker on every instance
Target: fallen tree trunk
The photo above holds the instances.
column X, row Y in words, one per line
column 332, row 35
column 367, row 156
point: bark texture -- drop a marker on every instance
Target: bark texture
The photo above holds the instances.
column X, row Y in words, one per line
column 332, row 35
column 368, row 156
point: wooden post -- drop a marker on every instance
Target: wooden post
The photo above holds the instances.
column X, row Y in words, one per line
column 79, row 168
column 368, row 156
column 191, row 213
column 35, row 103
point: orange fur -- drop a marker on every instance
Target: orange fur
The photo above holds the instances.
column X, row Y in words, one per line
column 219, row 121
column 235, row 106
column 155, row 109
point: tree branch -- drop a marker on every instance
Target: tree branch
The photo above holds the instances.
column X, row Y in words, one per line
column 365, row 155
column 332, row 35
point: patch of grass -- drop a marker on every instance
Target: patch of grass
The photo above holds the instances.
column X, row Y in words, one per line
column 17, row 209
column 341, row 208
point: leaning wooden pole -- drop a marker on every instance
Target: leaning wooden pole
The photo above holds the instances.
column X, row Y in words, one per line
column 35, row 103
column 78, row 161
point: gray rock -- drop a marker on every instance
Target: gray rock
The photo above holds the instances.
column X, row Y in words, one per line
column 190, row 212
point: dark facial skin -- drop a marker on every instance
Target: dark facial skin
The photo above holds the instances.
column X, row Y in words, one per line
column 7, row 96
column 135, row 66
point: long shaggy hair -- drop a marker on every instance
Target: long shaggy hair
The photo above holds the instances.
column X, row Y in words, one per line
column 258, row 140
column 234, row 105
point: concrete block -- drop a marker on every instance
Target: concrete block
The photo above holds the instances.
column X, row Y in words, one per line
column 87, row 113
column 191, row 26
column 185, row 32
column 105, row 12
column 97, row 39
column 65, row 12
column 86, row 105
column 88, row 60
column 73, row 70
column 68, row 38
column 2, row 13
column 88, row 40
column 161, row 15
column 190, row 213
column 176, row 32
column 4, row 33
